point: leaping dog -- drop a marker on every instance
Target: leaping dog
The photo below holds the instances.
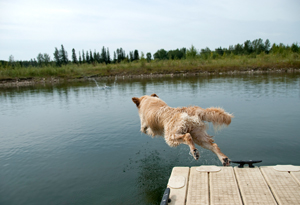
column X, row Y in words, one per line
column 181, row 125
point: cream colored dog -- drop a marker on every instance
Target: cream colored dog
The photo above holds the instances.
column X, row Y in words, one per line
column 181, row 125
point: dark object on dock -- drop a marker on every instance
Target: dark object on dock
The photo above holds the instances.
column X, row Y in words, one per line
column 165, row 200
column 249, row 162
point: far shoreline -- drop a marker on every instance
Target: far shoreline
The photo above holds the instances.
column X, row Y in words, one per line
column 23, row 82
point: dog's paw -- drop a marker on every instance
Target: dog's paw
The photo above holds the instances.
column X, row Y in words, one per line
column 226, row 162
column 144, row 129
column 196, row 154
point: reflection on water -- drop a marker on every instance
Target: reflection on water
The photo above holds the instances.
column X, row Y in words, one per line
column 78, row 144
column 153, row 167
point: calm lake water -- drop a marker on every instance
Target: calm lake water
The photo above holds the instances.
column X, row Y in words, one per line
column 80, row 144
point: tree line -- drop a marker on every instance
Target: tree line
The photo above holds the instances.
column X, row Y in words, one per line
column 61, row 56
column 252, row 48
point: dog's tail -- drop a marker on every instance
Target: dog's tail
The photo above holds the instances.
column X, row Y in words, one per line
column 217, row 116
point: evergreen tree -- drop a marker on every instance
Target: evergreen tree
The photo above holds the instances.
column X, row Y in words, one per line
column 31, row 62
column 80, row 60
column 148, row 56
column 131, row 56
column 95, row 56
column 248, row 47
column 120, row 54
column 91, row 57
column 295, row 48
column 63, row 55
column 136, row 55
column 74, row 58
column 35, row 62
column 56, row 57
column 83, row 57
column 115, row 57
column 183, row 53
column 108, row 56
column 103, row 55
column 98, row 57
column 123, row 54
column 87, row 57
column 267, row 46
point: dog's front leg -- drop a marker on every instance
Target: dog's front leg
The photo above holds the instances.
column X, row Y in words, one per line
column 209, row 144
column 187, row 139
column 147, row 130
column 144, row 126
column 144, row 129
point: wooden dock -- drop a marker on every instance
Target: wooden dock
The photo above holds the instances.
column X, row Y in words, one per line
column 232, row 185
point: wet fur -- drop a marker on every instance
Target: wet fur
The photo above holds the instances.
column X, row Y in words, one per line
column 181, row 125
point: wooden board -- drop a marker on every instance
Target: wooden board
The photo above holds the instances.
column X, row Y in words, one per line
column 296, row 176
column 254, row 189
column 283, row 185
column 223, row 187
column 198, row 190
column 178, row 196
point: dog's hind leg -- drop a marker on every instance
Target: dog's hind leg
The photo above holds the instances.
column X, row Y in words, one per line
column 187, row 139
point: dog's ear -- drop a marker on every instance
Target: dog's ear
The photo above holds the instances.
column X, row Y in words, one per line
column 136, row 101
column 154, row 95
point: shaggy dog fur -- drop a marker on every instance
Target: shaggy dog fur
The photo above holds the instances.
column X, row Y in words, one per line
column 181, row 125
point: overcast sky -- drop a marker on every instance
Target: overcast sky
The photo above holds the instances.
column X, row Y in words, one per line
column 29, row 27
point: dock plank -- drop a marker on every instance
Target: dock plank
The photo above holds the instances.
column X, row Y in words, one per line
column 223, row 187
column 178, row 195
column 296, row 175
column 283, row 185
column 198, row 189
column 253, row 187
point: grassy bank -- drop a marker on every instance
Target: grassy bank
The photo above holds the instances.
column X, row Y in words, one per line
column 212, row 64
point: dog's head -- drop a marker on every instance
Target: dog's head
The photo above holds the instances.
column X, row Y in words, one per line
column 138, row 101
